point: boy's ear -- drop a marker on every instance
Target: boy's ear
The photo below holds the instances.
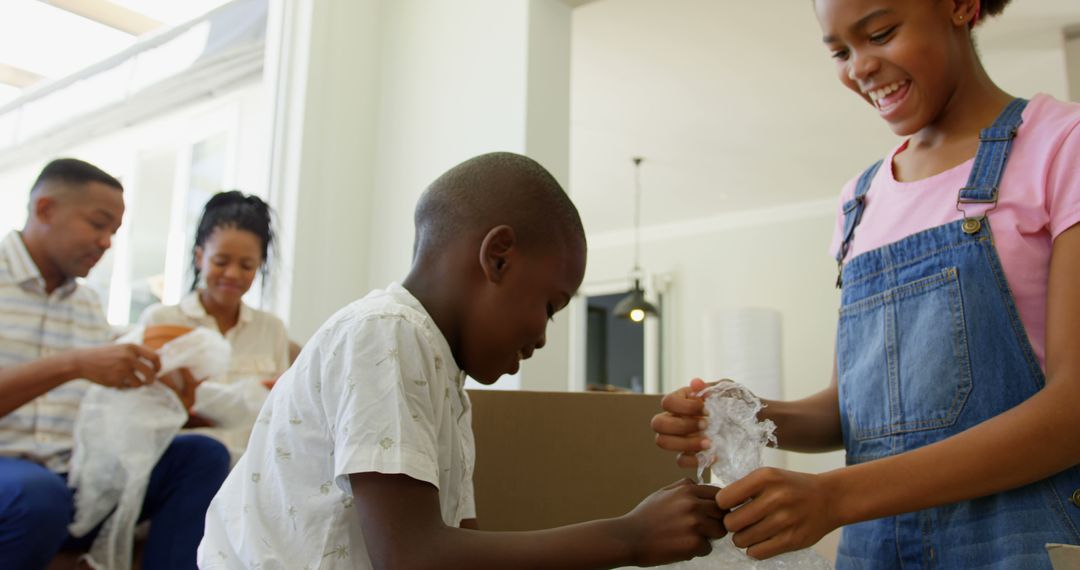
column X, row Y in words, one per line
column 496, row 250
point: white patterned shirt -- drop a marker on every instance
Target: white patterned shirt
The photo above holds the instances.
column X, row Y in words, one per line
column 36, row 325
column 375, row 390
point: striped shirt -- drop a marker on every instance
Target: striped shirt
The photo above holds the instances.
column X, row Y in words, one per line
column 35, row 325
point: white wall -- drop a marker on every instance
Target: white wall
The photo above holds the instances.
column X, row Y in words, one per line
column 377, row 99
column 1072, row 62
column 783, row 265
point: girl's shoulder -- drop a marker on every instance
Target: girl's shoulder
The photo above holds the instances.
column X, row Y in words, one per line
column 1049, row 115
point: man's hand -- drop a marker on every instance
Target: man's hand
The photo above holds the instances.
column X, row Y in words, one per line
column 116, row 365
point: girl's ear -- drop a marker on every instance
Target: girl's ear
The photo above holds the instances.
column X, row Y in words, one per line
column 496, row 251
column 964, row 12
column 198, row 256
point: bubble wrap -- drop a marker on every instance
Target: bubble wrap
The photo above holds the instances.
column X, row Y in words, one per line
column 119, row 437
column 738, row 439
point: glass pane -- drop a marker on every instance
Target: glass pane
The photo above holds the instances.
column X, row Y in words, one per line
column 615, row 348
column 149, row 217
column 207, row 177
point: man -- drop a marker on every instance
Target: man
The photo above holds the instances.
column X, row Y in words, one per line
column 54, row 339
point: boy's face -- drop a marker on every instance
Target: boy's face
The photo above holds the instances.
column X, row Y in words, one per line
column 509, row 321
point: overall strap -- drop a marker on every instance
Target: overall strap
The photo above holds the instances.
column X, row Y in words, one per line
column 994, row 145
column 853, row 210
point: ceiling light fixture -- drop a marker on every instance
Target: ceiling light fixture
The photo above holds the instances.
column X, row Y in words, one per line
column 634, row 306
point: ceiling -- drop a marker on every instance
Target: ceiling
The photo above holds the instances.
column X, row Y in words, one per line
column 41, row 40
column 735, row 105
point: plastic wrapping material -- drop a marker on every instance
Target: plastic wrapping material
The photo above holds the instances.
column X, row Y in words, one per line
column 119, row 437
column 738, row 439
column 202, row 351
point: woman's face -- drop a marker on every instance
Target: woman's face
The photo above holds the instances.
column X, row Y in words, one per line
column 903, row 57
column 229, row 260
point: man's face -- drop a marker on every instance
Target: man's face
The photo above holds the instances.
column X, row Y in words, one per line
column 80, row 223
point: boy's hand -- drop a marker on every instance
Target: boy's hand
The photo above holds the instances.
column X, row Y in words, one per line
column 116, row 365
column 674, row 524
column 679, row 427
column 786, row 511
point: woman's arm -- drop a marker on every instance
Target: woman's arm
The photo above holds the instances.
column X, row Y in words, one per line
column 1032, row 441
column 403, row 529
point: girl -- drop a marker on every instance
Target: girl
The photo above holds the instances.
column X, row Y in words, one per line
column 232, row 242
column 957, row 373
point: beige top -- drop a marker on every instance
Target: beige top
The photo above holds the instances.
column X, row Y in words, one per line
column 260, row 351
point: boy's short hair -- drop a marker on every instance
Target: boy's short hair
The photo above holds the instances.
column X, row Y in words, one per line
column 74, row 171
column 493, row 189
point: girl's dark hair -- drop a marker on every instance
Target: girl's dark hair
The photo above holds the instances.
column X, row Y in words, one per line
column 233, row 209
column 992, row 7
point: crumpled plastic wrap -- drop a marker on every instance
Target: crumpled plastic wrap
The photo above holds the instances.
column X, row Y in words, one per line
column 119, row 437
column 738, row 439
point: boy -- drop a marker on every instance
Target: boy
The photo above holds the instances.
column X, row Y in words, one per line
column 363, row 454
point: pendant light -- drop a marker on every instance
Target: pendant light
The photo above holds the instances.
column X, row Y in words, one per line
column 634, row 306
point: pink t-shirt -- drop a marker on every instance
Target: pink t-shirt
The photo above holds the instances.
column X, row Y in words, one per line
column 1039, row 198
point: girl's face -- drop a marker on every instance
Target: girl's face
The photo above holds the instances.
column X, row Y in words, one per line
column 229, row 260
column 903, row 57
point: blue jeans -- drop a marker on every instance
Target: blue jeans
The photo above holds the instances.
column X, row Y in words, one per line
column 36, row 507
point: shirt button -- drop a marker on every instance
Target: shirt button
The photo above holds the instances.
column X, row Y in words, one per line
column 1075, row 499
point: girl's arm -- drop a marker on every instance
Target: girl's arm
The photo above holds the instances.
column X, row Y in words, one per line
column 811, row 424
column 403, row 529
column 1025, row 444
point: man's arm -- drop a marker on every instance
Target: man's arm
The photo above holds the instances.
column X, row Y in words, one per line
column 117, row 366
column 403, row 529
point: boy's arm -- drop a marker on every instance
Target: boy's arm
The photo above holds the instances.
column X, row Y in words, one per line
column 403, row 529
column 808, row 425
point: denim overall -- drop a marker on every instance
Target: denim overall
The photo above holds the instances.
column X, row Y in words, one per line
column 930, row 344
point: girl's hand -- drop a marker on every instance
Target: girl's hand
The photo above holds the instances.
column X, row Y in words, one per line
column 679, row 427
column 783, row 511
column 673, row 524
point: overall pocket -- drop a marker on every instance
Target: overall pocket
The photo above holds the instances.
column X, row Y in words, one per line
column 902, row 358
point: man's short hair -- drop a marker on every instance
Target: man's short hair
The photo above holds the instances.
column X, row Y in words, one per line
column 73, row 171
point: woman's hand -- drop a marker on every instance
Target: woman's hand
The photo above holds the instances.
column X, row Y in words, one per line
column 681, row 425
column 781, row 511
column 184, row 384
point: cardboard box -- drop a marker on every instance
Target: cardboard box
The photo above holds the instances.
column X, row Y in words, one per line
column 547, row 459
